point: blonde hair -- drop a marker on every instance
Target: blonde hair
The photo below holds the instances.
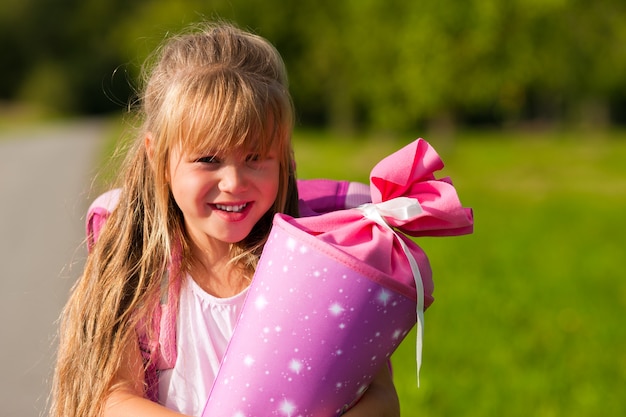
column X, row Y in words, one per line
column 218, row 88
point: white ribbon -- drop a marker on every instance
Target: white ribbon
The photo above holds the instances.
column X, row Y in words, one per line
column 402, row 208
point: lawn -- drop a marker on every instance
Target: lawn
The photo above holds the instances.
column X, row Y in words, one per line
column 527, row 313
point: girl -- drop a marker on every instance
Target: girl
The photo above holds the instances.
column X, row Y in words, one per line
column 212, row 164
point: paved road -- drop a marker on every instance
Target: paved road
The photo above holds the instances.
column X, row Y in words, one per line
column 45, row 176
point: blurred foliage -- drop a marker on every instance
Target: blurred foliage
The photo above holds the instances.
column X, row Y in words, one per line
column 389, row 65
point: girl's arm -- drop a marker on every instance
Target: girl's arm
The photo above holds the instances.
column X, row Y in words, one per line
column 126, row 398
column 380, row 399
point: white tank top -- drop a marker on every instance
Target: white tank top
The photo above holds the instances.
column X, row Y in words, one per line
column 204, row 326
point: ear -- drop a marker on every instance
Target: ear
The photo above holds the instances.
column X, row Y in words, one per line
column 148, row 143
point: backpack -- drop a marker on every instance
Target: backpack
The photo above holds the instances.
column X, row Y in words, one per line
column 159, row 352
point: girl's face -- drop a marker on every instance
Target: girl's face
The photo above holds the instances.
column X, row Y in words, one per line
column 222, row 196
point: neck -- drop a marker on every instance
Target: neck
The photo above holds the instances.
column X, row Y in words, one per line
column 211, row 270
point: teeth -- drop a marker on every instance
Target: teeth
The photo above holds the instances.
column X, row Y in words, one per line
column 235, row 209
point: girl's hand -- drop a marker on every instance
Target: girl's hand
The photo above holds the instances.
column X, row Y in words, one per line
column 380, row 399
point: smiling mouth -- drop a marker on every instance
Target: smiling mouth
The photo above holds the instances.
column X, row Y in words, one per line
column 231, row 208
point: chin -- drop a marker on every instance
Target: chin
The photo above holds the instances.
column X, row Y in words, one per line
column 235, row 239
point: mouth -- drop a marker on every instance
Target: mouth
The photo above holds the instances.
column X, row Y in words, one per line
column 231, row 208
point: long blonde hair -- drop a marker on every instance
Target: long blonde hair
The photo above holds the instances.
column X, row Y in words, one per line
column 216, row 87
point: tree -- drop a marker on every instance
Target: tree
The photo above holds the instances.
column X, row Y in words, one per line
column 387, row 65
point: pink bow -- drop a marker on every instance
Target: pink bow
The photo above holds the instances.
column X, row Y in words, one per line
column 409, row 172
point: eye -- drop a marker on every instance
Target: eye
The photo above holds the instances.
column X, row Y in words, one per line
column 209, row 159
column 253, row 157
column 256, row 161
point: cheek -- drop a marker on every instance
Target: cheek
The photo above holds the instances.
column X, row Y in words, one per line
column 271, row 185
column 273, row 191
column 174, row 182
column 177, row 193
column 266, row 186
column 185, row 188
column 190, row 190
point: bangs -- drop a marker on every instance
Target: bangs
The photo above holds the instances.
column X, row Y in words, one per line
column 222, row 110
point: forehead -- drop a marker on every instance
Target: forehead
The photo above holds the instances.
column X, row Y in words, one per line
column 224, row 111
column 203, row 141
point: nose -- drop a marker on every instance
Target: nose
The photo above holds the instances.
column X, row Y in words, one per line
column 232, row 179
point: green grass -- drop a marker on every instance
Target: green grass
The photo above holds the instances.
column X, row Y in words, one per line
column 528, row 309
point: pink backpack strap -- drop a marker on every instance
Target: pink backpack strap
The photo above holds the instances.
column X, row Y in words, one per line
column 159, row 352
column 97, row 214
